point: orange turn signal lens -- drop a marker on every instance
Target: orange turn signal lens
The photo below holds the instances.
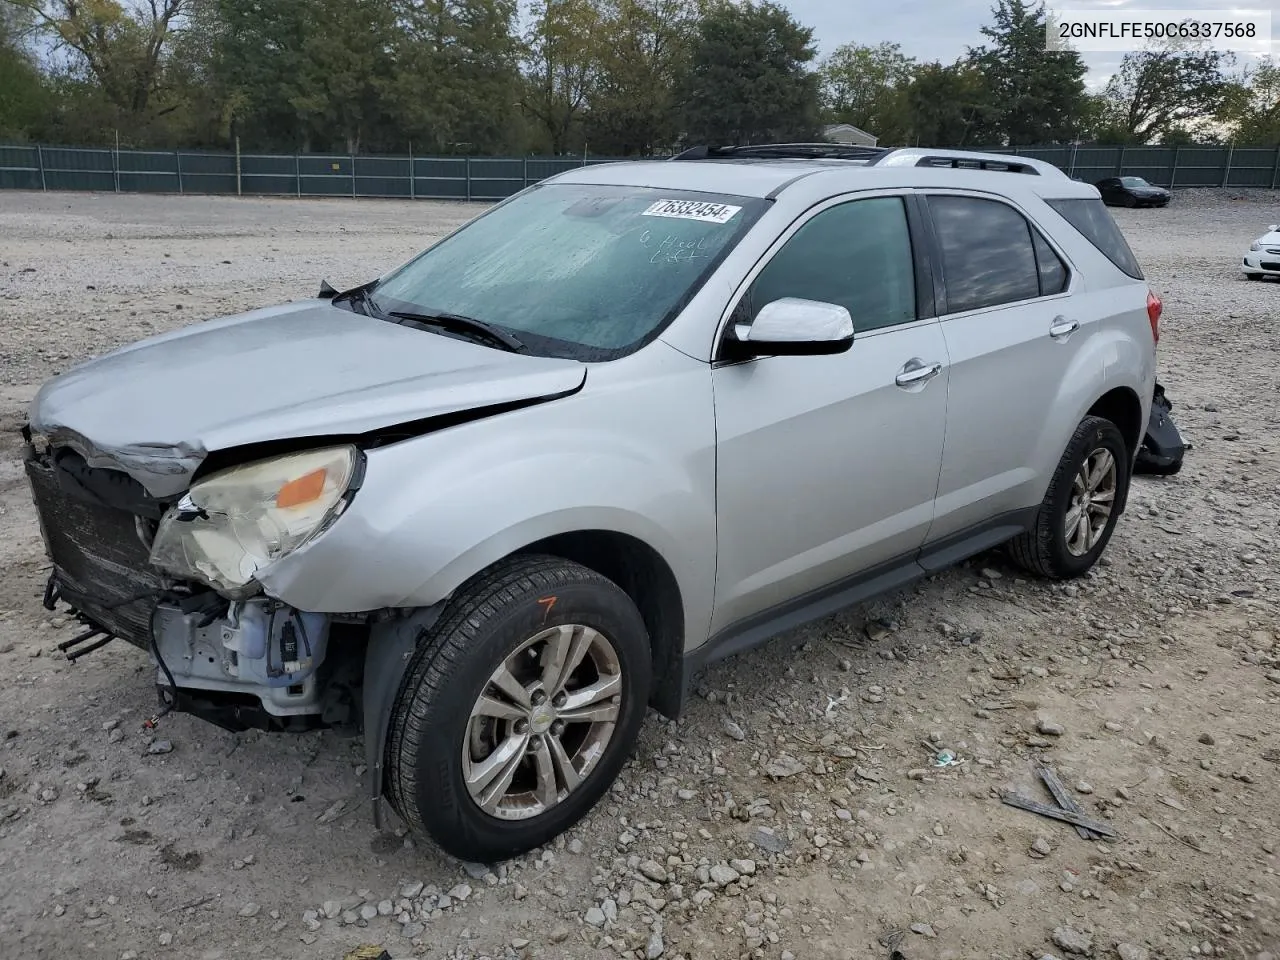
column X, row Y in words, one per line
column 305, row 489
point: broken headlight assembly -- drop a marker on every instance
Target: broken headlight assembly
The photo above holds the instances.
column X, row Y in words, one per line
column 238, row 521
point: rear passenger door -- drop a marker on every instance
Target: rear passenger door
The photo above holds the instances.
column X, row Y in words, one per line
column 1011, row 335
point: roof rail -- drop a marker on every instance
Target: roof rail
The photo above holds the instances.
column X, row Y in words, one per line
column 966, row 160
column 786, row 151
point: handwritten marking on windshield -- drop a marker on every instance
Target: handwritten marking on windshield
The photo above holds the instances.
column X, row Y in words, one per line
column 673, row 249
column 692, row 210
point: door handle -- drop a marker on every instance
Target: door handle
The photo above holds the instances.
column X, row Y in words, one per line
column 1062, row 327
column 917, row 371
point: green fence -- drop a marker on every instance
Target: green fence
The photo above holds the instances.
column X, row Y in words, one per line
column 39, row 167
column 1189, row 166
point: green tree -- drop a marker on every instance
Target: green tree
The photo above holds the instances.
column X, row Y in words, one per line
column 1157, row 92
column 124, row 49
column 25, row 98
column 949, row 106
column 563, row 47
column 748, row 78
column 867, row 87
column 1040, row 95
column 1251, row 107
column 306, row 73
column 456, row 81
column 632, row 108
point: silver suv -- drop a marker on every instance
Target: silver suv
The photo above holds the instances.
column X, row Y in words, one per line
column 496, row 503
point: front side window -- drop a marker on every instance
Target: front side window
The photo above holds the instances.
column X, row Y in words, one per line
column 856, row 254
column 987, row 253
column 576, row 270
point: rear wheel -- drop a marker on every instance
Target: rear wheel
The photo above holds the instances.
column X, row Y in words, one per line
column 519, row 710
column 1080, row 509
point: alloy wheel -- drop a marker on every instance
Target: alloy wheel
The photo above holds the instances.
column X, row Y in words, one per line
column 1093, row 495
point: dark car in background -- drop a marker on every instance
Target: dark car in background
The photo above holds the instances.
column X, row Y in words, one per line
column 1132, row 192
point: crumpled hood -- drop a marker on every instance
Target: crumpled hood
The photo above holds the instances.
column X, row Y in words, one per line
column 157, row 407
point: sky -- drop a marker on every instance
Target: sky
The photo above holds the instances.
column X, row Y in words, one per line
column 942, row 29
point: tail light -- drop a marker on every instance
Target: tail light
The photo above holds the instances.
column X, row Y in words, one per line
column 1154, row 309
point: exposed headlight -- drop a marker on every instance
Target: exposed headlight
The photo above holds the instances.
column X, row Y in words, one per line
column 1255, row 247
column 234, row 523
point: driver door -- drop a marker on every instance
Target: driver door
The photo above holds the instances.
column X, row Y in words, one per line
column 827, row 466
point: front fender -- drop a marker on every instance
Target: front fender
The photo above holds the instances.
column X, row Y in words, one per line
column 435, row 510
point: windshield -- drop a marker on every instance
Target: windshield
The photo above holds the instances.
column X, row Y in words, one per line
column 1137, row 182
column 576, row 270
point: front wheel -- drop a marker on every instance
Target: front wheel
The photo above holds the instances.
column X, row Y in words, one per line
column 1080, row 509
column 519, row 709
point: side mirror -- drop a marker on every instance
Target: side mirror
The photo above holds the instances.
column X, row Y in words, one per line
column 795, row 327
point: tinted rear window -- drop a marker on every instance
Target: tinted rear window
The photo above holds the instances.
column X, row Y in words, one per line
column 1091, row 218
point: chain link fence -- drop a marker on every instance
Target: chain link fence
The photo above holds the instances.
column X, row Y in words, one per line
column 39, row 167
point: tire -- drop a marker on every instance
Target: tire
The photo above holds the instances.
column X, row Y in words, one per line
column 1131, row 202
column 1253, row 276
column 1049, row 549
column 433, row 733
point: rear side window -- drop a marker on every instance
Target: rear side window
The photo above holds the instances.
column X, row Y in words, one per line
column 1091, row 218
column 988, row 257
column 1053, row 272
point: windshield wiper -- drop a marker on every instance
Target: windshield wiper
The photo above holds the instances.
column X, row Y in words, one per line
column 457, row 323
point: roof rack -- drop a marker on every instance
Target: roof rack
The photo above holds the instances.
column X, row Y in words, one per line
column 877, row 156
column 786, row 151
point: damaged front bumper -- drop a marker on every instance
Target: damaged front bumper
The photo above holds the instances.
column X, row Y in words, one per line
column 253, row 662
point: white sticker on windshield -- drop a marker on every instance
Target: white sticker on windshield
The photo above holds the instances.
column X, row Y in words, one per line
column 692, row 210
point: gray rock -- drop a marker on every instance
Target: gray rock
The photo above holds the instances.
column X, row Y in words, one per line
column 368, row 911
column 655, row 947
column 165, row 939
column 411, row 930
column 461, row 892
column 610, row 908
column 476, row 871
column 349, row 917
column 1041, row 848
column 769, row 841
column 519, row 943
column 594, row 916
column 331, row 908
column 744, row 867
column 653, row 870
column 386, row 908
column 722, row 874
column 519, row 891
column 1207, row 740
column 732, row 730
column 411, row 890
column 1127, row 951
column 1049, row 727
column 1084, row 787
column 250, row 909
column 924, row 929
column 332, row 812
column 784, row 767
column 160, row 746
column 1072, row 941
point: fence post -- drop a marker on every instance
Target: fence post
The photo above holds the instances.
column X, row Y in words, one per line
column 525, row 172
column 1120, row 163
column 297, row 177
column 353, row 176
column 1275, row 169
column 412, row 186
column 1071, row 167
column 1173, row 173
column 115, row 162
column 177, row 159
column 238, row 193
column 43, row 186
column 1226, row 171
column 467, row 170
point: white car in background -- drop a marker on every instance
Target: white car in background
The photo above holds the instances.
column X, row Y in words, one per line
column 1263, row 258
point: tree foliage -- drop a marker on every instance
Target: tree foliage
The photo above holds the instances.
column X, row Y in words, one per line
column 868, row 87
column 1037, row 96
column 748, row 78
column 1251, row 106
column 1154, row 94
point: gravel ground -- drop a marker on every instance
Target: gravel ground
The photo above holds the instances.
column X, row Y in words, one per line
column 795, row 811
